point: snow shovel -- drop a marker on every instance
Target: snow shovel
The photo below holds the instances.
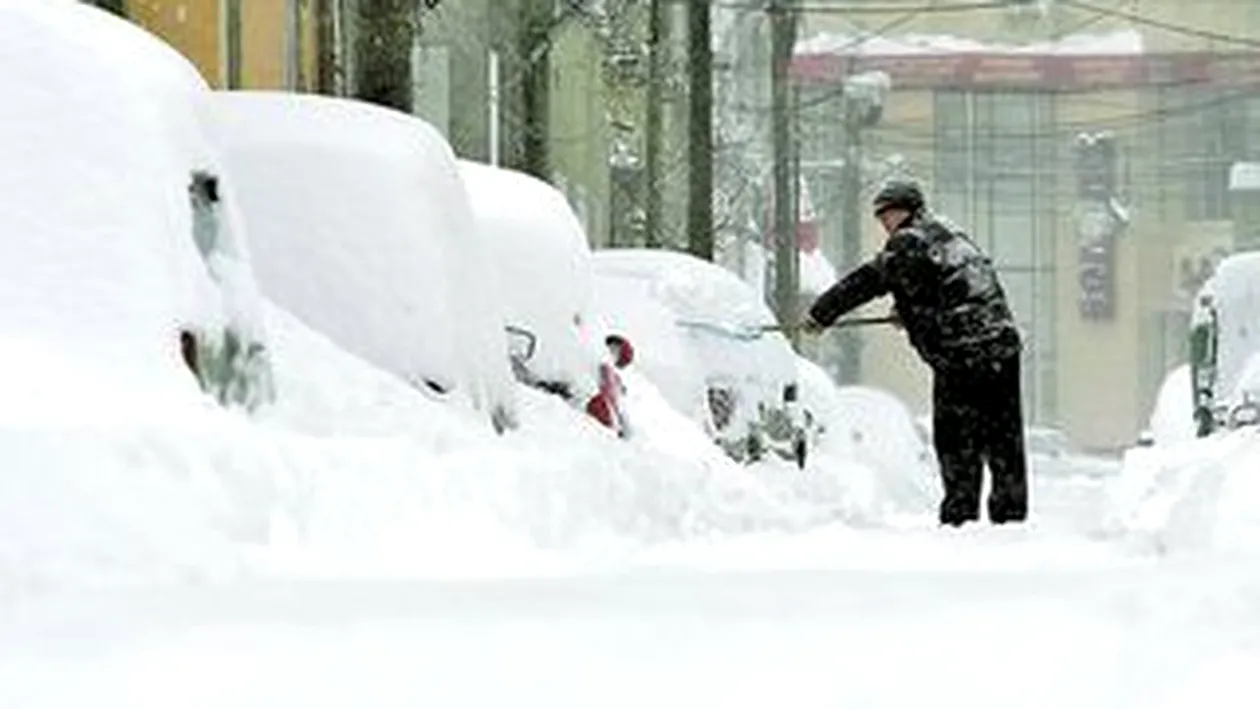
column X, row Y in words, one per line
column 753, row 332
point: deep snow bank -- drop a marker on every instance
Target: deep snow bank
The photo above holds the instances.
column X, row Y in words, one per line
column 1203, row 494
column 353, row 471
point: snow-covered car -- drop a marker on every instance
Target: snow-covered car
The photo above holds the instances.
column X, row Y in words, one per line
column 874, row 428
column 695, row 326
column 362, row 229
column 1224, row 339
column 125, row 263
column 543, row 259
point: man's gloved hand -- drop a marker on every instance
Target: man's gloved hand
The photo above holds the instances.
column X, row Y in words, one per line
column 810, row 326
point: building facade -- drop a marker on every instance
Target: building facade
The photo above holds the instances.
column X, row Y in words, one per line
column 1087, row 150
column 250, row 44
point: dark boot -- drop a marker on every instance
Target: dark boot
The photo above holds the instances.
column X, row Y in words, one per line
column 954, row 514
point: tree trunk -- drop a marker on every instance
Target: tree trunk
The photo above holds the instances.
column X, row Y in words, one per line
column 653, row 125
column 786, row 290
column 700, row 132
column 383, row 45
column 326, row 45
column 535, row 49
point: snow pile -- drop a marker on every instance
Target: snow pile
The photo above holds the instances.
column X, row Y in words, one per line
column 1119, row 42
column 361, row 227
column 326, row 392
column 1201, row 494
column 1247, row 387
column 99, row 140
column 544, row 262
column 1172, row 421
column 354, row 472
column 872, row 432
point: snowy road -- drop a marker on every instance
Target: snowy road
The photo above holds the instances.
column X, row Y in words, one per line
column 833, row 618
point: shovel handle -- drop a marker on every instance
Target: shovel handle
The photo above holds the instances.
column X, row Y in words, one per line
column 841, row 323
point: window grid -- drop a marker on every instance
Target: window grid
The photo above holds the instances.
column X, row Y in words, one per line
column 997, row 178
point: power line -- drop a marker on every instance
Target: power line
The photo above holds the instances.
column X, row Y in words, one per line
column 889, row 26
column 877, row 9
column 1166, row 26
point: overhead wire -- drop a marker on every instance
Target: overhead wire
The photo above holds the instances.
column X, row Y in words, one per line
column 814, row 7
column 1166, row 26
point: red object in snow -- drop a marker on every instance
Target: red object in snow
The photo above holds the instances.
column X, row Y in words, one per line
column 621, row 350
column 605, row 406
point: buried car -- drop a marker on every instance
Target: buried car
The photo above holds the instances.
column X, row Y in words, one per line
column 126, row 265
column 690, row 321
column 362, row 229
column 1225, row 346
column 544, row 262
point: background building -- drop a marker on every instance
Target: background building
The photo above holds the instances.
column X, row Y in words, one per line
column 1087, row 148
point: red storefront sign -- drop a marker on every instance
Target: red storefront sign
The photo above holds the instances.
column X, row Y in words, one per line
column 1035, row 71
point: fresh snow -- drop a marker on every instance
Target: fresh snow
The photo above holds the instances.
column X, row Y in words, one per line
column 1172, row 420
column 876, row 430
column 99, row 142
column 1198, row 495
column 362, row 228
column 543, row 260
column 361, row 542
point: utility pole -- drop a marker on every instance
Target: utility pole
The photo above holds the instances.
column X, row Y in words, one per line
column 234, row 54
column 849, row 341
column 700, row 135
column 863, row 105
column 654, row 124
column 327, row 51
column 786, row 259
column 294, row 47
column 535, row 38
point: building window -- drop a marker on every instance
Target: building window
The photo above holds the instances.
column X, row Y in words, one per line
column 997, row 160
column 1211, row 129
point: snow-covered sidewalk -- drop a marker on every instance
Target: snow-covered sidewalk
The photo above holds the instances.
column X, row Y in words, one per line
column 835, row 618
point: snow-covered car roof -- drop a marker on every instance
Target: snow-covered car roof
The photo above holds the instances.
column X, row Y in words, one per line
column 706, row 299
column 99, row 141
column 693, row 288
column 362, row 228
column 544, row 262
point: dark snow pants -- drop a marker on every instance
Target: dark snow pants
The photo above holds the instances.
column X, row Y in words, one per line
column 977, row 419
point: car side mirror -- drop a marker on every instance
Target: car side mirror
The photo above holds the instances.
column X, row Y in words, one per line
column 621, row 350
column 521, row 343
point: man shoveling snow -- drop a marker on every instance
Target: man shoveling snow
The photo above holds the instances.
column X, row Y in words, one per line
column 947, row 297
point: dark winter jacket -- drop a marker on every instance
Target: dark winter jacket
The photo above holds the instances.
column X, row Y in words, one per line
column 945, row 293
